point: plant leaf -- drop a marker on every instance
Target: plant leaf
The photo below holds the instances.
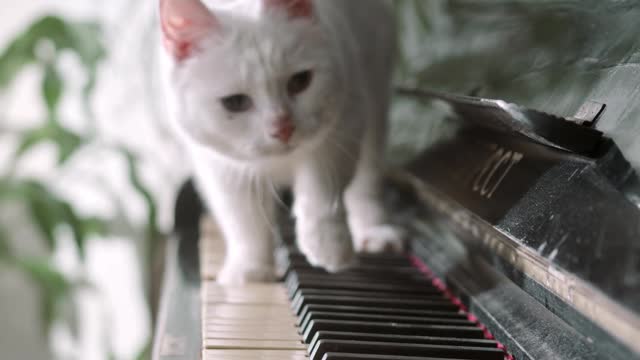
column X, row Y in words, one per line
column 83, row 38
column 68, row 142
column 49, row 212
column 32, row 138
column 5, row 249
column 52, row 90
column 82, row 228
column 94, row 226
column 54, row 287
column 45, row 211
column 75, row 223
column 134, row 178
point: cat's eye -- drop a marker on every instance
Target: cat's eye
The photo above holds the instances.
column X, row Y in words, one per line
column 237, row 103
column 299, row 82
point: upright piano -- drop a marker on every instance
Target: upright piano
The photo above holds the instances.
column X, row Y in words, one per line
column 524, row 225
column 524, row 244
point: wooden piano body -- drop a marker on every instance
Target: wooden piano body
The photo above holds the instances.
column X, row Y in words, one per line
column 531, row 220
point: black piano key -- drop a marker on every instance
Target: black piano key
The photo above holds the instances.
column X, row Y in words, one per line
column 405, row 349
column 301, row 264
column 399, row 281
column 390, row 274
column 357, row 266
column 394, row 278
column 374, row 272
column 382, row 308
column 400, row 289
column 455, row 314
column 301, row 292
column 391, row 328
column 365, row 289
column 426, row 340
column 375, row 259
column 367, row 301
column 343, row 356
column 317, row 315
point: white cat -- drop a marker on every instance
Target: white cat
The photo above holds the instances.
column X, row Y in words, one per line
column 272, row 93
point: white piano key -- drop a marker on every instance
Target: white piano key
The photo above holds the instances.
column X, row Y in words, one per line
column 248, row 312
column 255, row 355
column 252, row 321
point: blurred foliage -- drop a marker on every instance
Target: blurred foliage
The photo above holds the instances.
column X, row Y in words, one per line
column 41, row 45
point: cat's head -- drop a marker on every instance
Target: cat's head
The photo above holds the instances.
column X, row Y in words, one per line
column 256, row 78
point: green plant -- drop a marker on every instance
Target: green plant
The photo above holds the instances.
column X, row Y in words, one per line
column 41, row 45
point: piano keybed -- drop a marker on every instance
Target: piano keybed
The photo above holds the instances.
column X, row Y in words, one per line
column 384, row 308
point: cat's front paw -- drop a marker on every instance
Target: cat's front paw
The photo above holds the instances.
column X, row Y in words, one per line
column 238, row 274
column 380, row 239
column 327, row 244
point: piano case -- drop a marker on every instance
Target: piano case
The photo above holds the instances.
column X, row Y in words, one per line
column 523, row 217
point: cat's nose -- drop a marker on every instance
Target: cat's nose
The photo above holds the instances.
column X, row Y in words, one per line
column 283, row 129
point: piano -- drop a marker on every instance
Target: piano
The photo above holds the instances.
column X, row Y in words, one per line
column 524, row 225
column 524, row 244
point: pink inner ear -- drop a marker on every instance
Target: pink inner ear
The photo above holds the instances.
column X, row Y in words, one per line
column 295, row 8
column 184, row 23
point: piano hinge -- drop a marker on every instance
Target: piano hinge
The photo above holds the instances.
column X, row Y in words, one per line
column 588, row 114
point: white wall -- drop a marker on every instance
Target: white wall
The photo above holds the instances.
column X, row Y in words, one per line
column 113, row 318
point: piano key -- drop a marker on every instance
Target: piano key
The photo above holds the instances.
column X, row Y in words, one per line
column 253, row 344
column 371, row 271
column 400, row 289
column 343, row 356
column 255, row 312
column 366, row 301
column 301, row 292
column 427, row 340
column 260, row 331
column 405, row 349
column 391, row 328
column 250, row 294
column 299, row 262
column 455, row 314
column 362, row 258
column 283, row 323
column 383, row 300
column 412, row 278
column 234, row 354
column 254, row 332
column 381, row 318
column 405, row 266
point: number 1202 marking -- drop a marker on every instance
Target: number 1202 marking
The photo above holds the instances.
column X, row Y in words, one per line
column 494, row 171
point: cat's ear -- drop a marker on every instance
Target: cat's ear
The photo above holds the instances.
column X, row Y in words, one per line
column 184, row 23
column 295, row 8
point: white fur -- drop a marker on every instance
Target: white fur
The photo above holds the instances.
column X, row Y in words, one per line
column 340, row 128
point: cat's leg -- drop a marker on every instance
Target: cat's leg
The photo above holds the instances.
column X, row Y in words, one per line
column 321, row 224
column 369, row 223
column 244, row 210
